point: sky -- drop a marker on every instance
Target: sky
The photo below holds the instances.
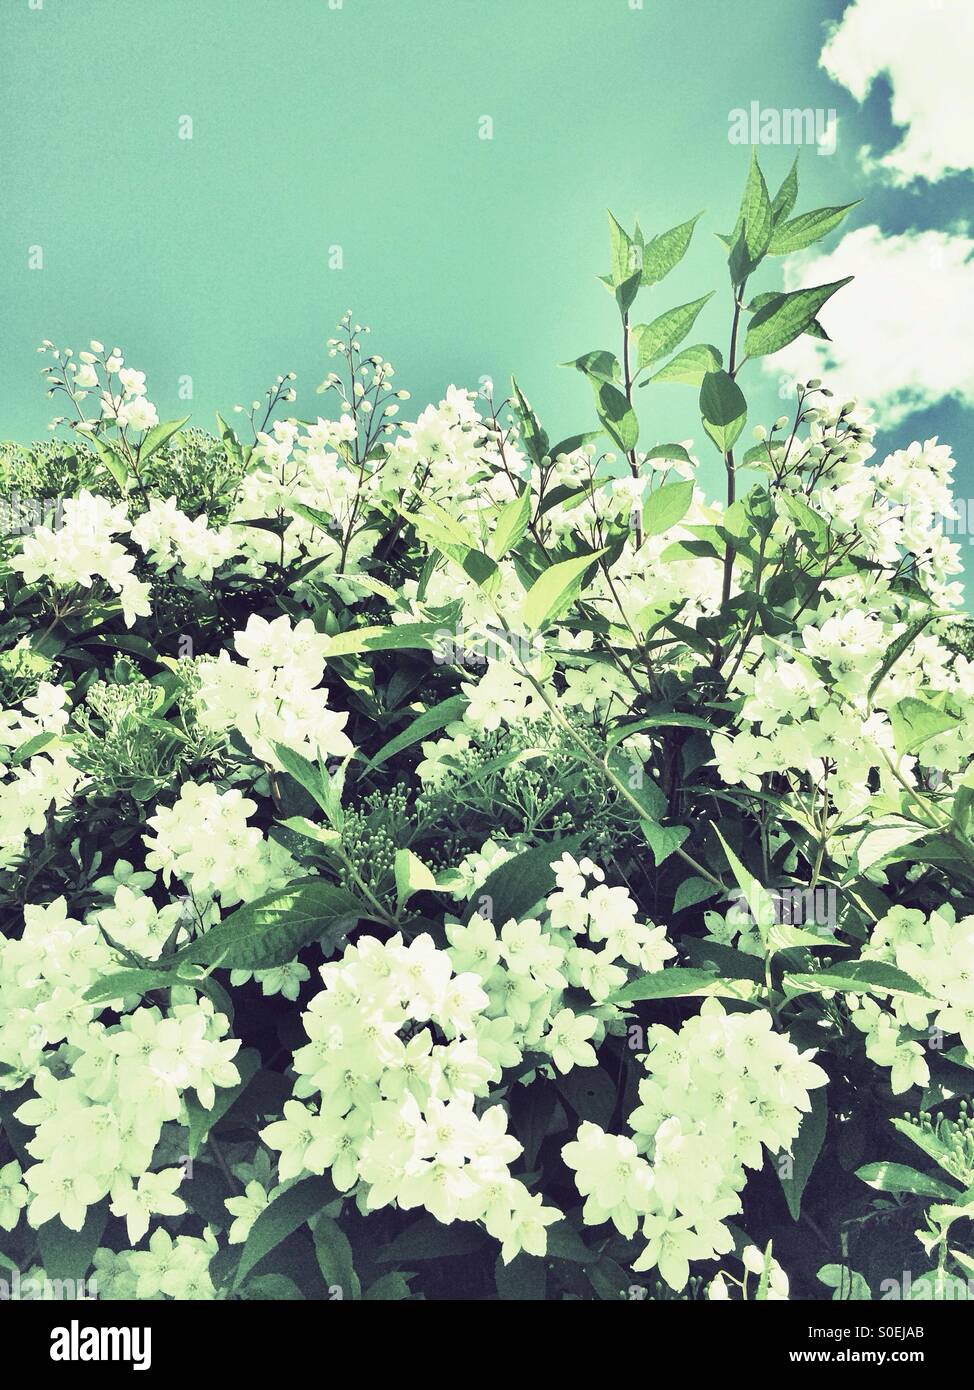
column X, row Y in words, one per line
column 336, row 160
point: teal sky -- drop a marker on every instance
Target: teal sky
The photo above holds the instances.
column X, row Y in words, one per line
column 358, row 127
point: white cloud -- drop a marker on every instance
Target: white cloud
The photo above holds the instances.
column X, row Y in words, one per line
column 926, row 50
column 901, row 330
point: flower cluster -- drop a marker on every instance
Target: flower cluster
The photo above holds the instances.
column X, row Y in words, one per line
column 104, row 1092
column 530, row 967
column 83, row 550
column 40, row 783
column 276, row 697
column 394, row 1055
column 714, row 1094
column 937, row 952
column 204, row 841
column 169, row 537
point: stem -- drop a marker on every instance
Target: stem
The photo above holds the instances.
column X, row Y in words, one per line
column 603, row 768
column 381, row 914
column 729, row 455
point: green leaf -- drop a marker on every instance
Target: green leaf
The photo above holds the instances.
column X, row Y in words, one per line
column 787, row 195
column 925, row 1139
column 533, row 437
column 855, row 977
column 335, row 1258
column 434, row 719
column 574, row 441
column 33, row 746
column 206, row 1194
column 663, row 840
column 724, row 961
column 690, row 365
column 282, row 1216
column 597, row 366
column 803, row 231
column 554, row 590
column 915, row 722
column 512, row 522
column 806, row 520
column 521, row 1281
column 159, row 435
column 749, row 240
column 899, row 1178
column 564, row 1243
column 666, row 507
column 322, row 520
column 17, row 1135
column 532, row 1109
column 309, row 775
column 846, row 1283
column 267, row 1288
column 114, row 461
column 786, row 317
column 624, row 254
column 319, row 833
column 666, row 251
column 388, row 1288
column 723, row 408
column 202, row 1121
column 669, row 451
column 805, row 1151
column 273, row 929
column 630, row 771
column 231, row 444
column 122, row 983
column 69, row 1254
column 519, row 885
column 897, row 648
column 760, row 903
column 412, row 876
column 591, row 1093
column 428, row 1239
column 755, row 215
column 674, row 982
column 662, row 719
column 659, row 338
column 692, row 891
column 617, row 415
column 398, row 637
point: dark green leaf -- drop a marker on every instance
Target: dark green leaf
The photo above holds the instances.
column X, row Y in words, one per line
column 273, row 929
column 786, row 317
column 805, row 1152
column 723, row 408
column 284, row 1215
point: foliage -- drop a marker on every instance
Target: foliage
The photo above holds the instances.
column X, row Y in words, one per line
column 435, row 860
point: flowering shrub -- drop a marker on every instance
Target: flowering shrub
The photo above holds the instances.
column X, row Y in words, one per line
column 436, row 861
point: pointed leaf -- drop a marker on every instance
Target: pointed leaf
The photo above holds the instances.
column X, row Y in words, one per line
column 664, row 252
column 803, row 231
column 786, row 317
column 689, row 366
column 659, row 338
column 554, row 590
